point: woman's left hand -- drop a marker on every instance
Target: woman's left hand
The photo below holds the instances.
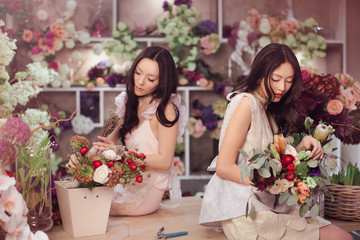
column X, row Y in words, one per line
column 104, row 144
column 309, row 142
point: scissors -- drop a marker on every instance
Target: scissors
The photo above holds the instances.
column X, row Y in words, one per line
column 162, row 235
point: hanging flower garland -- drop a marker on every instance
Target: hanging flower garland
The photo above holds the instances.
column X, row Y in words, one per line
column 258, row 30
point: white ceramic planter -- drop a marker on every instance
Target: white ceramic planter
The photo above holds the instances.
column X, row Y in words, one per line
column 84, row 212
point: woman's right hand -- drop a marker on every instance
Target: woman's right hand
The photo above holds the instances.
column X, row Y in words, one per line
column 104, row 143
column 72, row 162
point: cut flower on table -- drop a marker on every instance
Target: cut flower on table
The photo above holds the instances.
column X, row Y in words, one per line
column 293, row 176
column 107, row 168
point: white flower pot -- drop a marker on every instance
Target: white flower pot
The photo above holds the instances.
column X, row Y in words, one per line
column 84, row 212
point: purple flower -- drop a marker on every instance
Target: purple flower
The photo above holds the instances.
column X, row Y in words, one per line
column 219, row 89
column 4, row 147
column 185, row 2
column 95, row 72
column 207, row 27
column 17, row 129
column 165, row 6
column 102, row 65
column 209, row 118
column 195, row 104
column 251, row 37
column 314, row 171
column 112, row 80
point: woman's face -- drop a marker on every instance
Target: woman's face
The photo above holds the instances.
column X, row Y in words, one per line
column 146, row 77
column 280, row 81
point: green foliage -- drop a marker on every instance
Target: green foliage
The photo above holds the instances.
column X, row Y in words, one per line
column 350, row 177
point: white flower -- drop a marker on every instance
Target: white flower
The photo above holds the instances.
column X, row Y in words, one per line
column 264, row 26
column 42, row 15
column 66, row 83
column 6, row 182
column 70, row 44
column 77, row 56
column 286, row 185
column 82, row 125
column 71, row 5
column 83, row 37
column 277, row 187
column 109, row 154
column 40, row 235
column 98, row 48
column 263, row 41
column 101, row 174
column 63, row 69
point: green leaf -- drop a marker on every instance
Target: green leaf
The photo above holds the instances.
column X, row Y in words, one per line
column 259, row 162
column 314, row 212
column 257, row 197
column 303, row 209
column 254, row 157
column 292, row 200
column 308, row 200
column 244, row 168
column 247, row 209
column 283, row 197
column 264, row 173
column 243, row 153
column 312, row 163
column 274, row 167
column 252, row 212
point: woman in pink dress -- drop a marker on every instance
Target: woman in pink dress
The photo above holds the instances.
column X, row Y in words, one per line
column 152, row 120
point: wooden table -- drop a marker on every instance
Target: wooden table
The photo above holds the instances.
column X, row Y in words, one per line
column 183, row 218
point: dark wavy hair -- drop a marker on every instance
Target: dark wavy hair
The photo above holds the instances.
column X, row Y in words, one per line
column 168, row 82
column 266, row 61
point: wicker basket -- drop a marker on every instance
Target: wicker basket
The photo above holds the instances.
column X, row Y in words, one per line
column 346, row 204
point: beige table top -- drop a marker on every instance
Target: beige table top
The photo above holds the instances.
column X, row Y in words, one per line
column 184, row 218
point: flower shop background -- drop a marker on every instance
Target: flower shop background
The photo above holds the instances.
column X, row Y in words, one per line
column 338, row 20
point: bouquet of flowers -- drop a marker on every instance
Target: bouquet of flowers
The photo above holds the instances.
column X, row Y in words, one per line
column 207, row 118
column 292, row 175
column 335, row 100
column 109, row 168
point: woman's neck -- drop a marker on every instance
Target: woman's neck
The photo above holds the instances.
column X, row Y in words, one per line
column 261, row 98
column 145, row 99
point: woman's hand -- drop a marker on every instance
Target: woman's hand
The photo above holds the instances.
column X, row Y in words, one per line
column 72, row 162
column 309, row 142
column 104, row 144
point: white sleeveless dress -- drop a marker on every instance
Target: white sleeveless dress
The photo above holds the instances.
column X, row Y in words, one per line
column 224, row 202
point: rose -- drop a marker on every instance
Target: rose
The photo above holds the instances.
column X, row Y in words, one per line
column 301, row 198
column 287, row 159
column 101, row 174
column 303, row 188
column 334, row 107
column 133, row 166
column 84, row 150
column 109, row 154
column 290, row 175
column 291, row 167
column 97, row 163
column 139, row 179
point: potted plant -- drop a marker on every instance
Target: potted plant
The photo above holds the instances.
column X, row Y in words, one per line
column 85, row 201
column 345, row 189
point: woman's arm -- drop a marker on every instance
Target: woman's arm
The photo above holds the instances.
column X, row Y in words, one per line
column 167, row 142
column 309, row 142
column 234, row 139
column 110, row 140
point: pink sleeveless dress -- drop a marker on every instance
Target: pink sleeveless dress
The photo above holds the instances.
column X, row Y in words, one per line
column 144, row 198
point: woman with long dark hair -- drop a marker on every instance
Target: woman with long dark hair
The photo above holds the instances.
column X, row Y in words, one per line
column 152, row 119
column 262, row 105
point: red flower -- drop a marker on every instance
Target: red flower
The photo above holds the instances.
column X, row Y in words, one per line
column 129, row 160
column 142, row 156
column 291, row 167
column 290, row 175
column 139, row 178
column 136, row 155
column 97, row 163
column 287, row 159
column 84, row 150
column 143, row 166
column 9, row 173
column 133, row 166
column 121, row 160
column 110, row 163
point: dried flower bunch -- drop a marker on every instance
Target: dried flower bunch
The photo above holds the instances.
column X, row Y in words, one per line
column 107, row 168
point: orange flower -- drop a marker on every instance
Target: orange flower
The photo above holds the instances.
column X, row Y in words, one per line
column 301, row 199
column 27, row 35
column 280, row 143
column 58, row 30
column 303, row 188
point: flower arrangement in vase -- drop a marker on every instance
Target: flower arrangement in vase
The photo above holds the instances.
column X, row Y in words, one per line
column 293, row 177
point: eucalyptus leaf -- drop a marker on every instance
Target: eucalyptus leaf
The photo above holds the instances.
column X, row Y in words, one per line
column 253, row 158
column 264, row 173
column 257, row 197
column 247, row 209
column 314, row 212
column 313, row 163
column 244, row 171
column 243, row 153
column 274, row 167
column 308, row 200
column 303, row 209
column 283, row 197
column 257, row 151
column 259, row 162
column 252, row 212
column 292, row 200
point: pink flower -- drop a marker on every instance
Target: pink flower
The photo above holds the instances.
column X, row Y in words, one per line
column 49, row 42
column 53, row 65
column 183, row 81
column 90, row 86
column 334, row 107
column 100, row 81
column 16, row 130
column 305, row 75
column 6, row 152
column 202, row 82
column 35, row 50
column 6, row 182
column 37, row 34
column 196, row 127
column 27, row 35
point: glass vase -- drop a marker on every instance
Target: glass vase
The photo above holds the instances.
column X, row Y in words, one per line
column 33, row 176
column 319, row 197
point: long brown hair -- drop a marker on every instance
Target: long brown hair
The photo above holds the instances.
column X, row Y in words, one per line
column 264, row 64
column 168, row 81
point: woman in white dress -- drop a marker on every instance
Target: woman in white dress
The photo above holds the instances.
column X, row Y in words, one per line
column 261, row 106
